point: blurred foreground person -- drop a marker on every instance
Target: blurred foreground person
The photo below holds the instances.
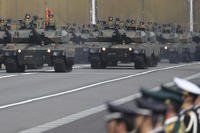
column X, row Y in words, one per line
column 188, row 113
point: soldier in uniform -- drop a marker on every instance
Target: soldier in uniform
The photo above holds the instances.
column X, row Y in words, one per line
column 141, row 26
column 111, row 22
column 128, row 119
column 3, row 23
column 27, row 22
column 188, row 114
column 172, row 101
column 197, row 108
column 51, row 22
column 158, row 114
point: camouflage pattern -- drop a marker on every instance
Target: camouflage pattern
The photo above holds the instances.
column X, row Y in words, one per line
column 31, row 48
column 125, row 46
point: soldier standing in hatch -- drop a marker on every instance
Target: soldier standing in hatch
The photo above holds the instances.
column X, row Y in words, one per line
column 51, row 22
column 27, row 22
column 3, row 23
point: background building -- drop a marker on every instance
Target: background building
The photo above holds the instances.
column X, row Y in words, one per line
column 77, row 11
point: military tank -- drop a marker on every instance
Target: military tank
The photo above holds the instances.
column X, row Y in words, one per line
column 170, row 46
column 188, row 47
column 5, row 36
column 31, row 48
column 113, row 46
column 146, row 50
column 62, row 50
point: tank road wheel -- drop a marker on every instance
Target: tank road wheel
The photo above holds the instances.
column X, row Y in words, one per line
column 13, row 67
column 60, row 65
column 140, row 63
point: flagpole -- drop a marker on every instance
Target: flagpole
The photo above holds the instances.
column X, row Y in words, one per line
column 93, row 11
column 191, row 15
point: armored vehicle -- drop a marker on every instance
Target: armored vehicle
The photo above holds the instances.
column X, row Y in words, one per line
column 188, row 47
column 31, row 48
column 113, row 46
column 170, row 46
column 62, row 51
column 146, row 50
column 5, row 36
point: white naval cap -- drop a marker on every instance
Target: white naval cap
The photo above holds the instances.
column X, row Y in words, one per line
column 187, row 86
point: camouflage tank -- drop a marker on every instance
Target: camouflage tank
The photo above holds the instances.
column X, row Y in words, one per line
column 31, row 48
column 113, row 46
column 62, row 50
column 146, row 50
column 5, row 36
column 188, row 47
column 170, row 46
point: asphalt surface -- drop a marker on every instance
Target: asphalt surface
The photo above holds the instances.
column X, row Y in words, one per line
column 31, row 99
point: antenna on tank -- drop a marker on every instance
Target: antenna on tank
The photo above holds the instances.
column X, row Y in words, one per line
column 93, row 11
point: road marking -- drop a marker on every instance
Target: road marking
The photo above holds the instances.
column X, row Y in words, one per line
column 31, row 73
column 91, row 85
column 74, row 117
column 7, row 76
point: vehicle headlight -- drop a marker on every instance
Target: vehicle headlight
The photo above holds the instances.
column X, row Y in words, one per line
column 103, row 49
column 49, row 50
column 19, row 50
column 130, row 49
column 165, row 47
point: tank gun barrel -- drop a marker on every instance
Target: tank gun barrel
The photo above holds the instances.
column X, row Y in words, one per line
column 35, row 37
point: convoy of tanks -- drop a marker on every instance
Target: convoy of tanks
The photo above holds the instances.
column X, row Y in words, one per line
column 107, row 43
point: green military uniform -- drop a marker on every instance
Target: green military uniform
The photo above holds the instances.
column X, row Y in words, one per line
column 51, row 23
column 188, row 114
column 111, row 22
column 172, row 99
column 27, row 22
column 2, row 24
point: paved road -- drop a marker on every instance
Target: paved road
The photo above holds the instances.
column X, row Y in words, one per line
column 37, row 97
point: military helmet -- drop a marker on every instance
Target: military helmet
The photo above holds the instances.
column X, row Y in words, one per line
column 141, row 23
column 133, row 21
column 110, row 19
column 27, row 16
column 2, row 19
column 51, row 15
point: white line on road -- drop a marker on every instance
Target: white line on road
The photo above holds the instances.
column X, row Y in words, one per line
column 74, row 117
column 7, row 76
column 90, row 86
column 30, row 73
